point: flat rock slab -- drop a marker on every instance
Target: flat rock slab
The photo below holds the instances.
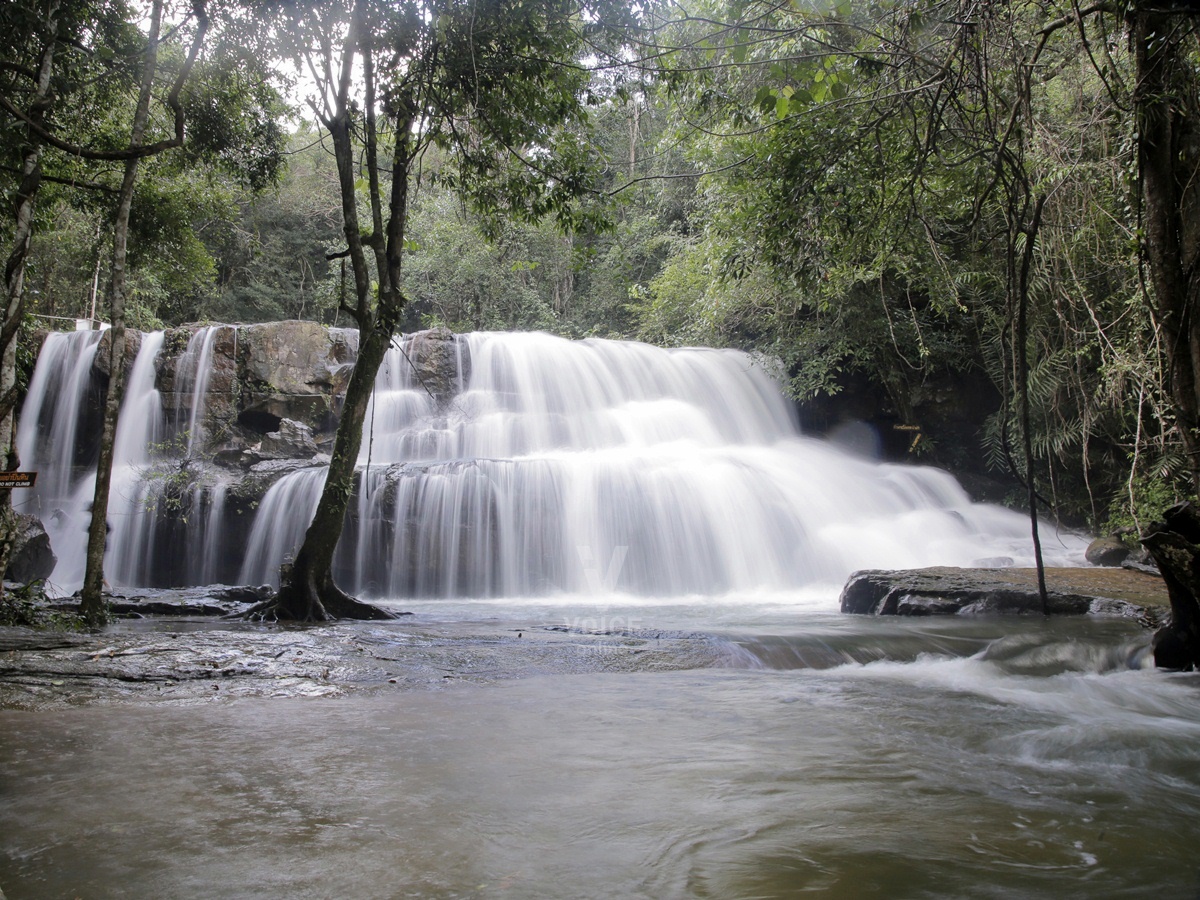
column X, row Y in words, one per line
column 948, row 591
column 186, row 660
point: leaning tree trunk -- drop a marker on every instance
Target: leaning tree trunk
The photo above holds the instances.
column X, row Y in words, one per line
column 308, row 593
column 91, row 602
column 1175, row 545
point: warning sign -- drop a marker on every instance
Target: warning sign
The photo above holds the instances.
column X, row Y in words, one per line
column 17, row 479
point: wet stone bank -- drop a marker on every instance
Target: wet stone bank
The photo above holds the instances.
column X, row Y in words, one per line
column 193, row 658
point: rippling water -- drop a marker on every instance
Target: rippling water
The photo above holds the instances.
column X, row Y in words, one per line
column 834, row 757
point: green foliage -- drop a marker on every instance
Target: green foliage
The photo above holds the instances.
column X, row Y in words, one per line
column 1149, row 494
column 840, row 186
column 235, row 114
column 234, row 144
column 25, row 606
column 877, row 229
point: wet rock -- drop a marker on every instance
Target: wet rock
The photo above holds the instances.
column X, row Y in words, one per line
column 133, row 343
column 435, row 355
column 244, row 594
column 293, row 440
column 32, row 558
column 292, row 370
column 182, row 659
column 950, row 591
column 1108, row 551
column 208, row 600
column 248, row 490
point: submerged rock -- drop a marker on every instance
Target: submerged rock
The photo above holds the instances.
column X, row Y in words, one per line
column 951, row 591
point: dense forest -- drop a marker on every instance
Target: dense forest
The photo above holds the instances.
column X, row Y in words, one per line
column 972, row 224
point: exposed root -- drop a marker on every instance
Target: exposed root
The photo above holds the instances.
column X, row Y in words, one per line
column 301, row 600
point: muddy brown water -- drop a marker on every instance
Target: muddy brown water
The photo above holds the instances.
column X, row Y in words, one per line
column 767, row 755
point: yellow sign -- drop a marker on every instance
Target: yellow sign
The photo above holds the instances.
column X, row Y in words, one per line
column 17, row 479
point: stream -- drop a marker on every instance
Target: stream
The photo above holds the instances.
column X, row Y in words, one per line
column 815, row 754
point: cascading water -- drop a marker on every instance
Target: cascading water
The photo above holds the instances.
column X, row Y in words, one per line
column 146, row 456
column 540, row 467
column 602, row 467
column 192, row 373
column 51, row 442
column 836, row 755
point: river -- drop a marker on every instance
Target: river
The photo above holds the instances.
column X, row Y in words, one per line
column 830, row 756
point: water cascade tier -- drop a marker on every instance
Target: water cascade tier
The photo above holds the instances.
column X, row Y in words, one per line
column 492, row 465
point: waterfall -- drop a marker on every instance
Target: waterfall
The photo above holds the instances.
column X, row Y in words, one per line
column 143, row 496
column 136, row 498
column 605, row 466
column 55, row 435
column 193, row 372
column 58, row 398
column 511, row 465
column 279, row 527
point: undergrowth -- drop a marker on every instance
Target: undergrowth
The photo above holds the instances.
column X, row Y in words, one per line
column 25, row 606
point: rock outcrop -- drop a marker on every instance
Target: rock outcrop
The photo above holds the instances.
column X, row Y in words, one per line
column 435, row 357
column 293, row 370
column 32, row 558
column 133, row 343
column 1174, row 543
column 293, row 440
column 951, row 591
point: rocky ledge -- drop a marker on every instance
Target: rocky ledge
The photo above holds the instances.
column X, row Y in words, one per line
column 190, row 645
column 949, row 591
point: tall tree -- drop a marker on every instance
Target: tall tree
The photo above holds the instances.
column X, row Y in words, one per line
column 124, row 70
column 91, row 602
column 48, row 52
column 37, row 42
column 491, row 84
column 875, row 176
column 1166, row 94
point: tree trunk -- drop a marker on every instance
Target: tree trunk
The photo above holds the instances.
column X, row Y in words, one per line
column 309, row 593
column 1022, row 340
column 91, row 604
column 1169, row 171
column 1175, row 545
column 14, row 278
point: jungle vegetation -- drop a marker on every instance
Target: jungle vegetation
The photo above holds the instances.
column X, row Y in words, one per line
column 973, row 224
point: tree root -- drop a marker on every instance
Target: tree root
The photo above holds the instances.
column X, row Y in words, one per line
column 303, row 598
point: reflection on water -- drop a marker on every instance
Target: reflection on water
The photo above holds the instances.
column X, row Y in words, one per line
column 848, row 758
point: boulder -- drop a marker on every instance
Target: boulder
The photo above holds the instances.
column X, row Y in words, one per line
column 293, row 370
column 133, row 343
column 32, row 558
column 293, row 440
column 436, row 356
column 1108, row 551
column 951, row 591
